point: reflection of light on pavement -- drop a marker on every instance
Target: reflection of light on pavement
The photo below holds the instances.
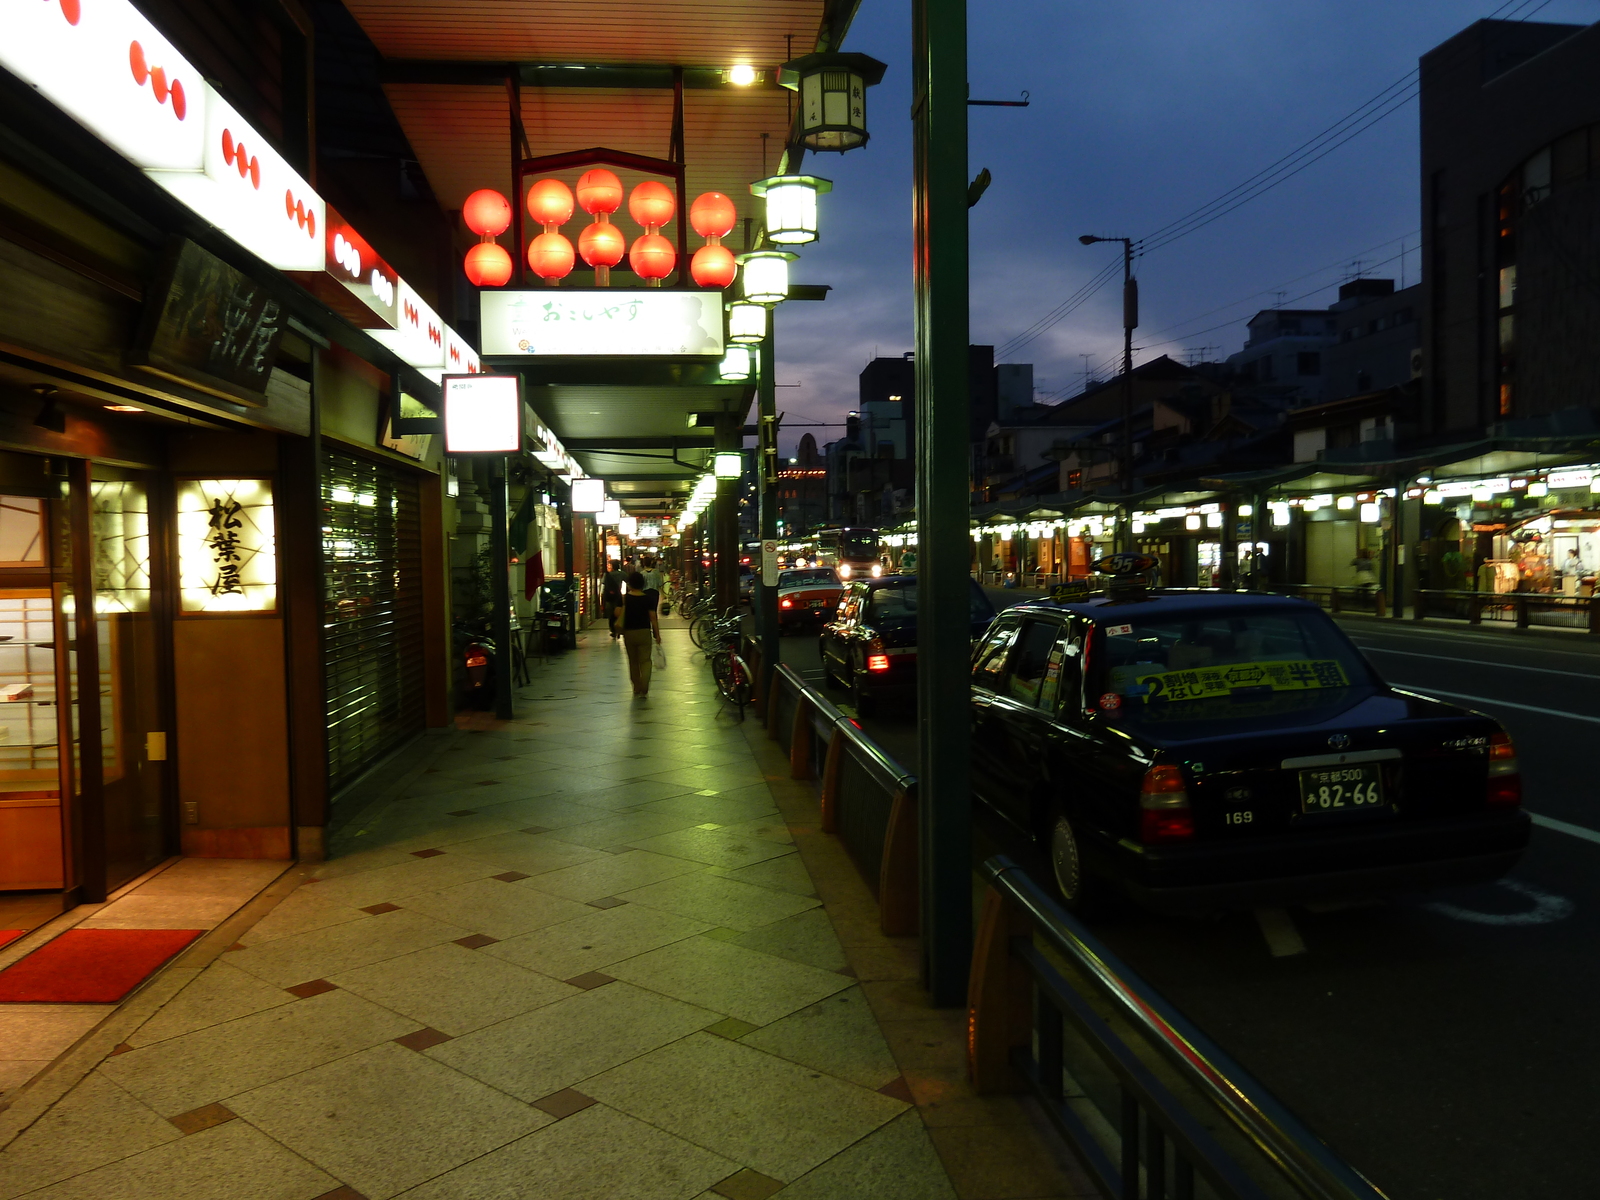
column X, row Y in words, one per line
column 1546, row 908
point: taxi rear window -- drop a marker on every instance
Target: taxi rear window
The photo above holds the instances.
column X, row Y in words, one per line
column 791, row 579
column 1222, row 665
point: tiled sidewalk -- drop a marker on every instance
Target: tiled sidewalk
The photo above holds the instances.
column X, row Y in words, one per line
column 574, row 956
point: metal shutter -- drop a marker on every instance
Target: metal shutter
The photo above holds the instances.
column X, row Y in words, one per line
column 372, row 623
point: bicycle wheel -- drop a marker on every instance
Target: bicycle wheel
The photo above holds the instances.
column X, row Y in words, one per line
column 699, row 628
column 722, row 669
column 739, row 688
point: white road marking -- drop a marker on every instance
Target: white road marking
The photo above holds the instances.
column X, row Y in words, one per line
column 1577, row 831
column 1425, row 690
column 1482, row 662
column 1277, row 926
column 1546, row 908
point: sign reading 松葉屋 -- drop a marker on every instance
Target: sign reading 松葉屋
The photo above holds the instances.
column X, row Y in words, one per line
column 604, row 321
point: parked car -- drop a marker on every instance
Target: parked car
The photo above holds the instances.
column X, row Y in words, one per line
column 871, row 645
column 747, row 582
column 809, row 596
column 1205, row 752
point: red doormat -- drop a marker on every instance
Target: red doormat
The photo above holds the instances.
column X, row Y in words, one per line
column 90, row 966
column 7, row 936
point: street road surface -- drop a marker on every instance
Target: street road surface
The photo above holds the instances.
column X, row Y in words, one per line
column 1444, row 1044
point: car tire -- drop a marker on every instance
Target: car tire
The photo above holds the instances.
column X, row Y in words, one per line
column 1080, row 892
column 866, row 704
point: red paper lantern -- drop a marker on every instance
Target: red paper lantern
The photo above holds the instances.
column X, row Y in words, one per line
column 601, row 244
column 713, row 266
column 486, row 212
column 652, row 256
column 550, row 203
column 551, row 257
column 599, row 191
column 488, row 265
column 652, row 204
column 712, row 214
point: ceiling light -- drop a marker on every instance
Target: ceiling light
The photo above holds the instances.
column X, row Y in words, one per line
column 123, row 408
column 741, row 75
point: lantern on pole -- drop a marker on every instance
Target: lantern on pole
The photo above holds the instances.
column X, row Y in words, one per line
column 713, row 215
column 550, row 254
column 487, row 213
column 651, row 204
column 766, row 275
column 833, row 97
column 747, row 322
column 791, row 206
column 602, row 243
column 728, row 464
column 735, row 365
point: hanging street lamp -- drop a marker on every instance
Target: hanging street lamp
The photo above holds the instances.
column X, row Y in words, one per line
column 735, row 366
column 791, row 206
column 833, row 97
column 728, row 464
column 766, row 275
column 747, row 322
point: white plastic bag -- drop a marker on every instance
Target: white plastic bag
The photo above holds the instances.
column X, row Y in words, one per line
column 658, row 657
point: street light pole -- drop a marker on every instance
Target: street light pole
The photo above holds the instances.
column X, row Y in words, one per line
column 1130, row 322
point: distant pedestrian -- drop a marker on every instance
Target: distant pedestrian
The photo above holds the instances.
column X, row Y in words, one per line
column 640, row 628
column 611, row 599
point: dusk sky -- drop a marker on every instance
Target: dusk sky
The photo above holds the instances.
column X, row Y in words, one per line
column 1142, row 111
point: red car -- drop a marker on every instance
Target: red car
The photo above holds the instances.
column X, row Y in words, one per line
column 807, row 596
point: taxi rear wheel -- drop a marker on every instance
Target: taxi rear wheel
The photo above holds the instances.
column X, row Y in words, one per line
column 1079, row 890
column 866, row 704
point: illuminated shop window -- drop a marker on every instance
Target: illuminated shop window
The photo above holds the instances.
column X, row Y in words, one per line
column 227, row 546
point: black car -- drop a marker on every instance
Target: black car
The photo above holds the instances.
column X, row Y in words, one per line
column 870, row 646
column 1201, row 752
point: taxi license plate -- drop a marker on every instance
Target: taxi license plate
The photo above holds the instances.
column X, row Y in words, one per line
column 818, row 603
column 1341, row 789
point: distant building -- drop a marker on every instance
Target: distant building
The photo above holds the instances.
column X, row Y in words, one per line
column 1286, row 350
column 803, row 489
column 1510, row 125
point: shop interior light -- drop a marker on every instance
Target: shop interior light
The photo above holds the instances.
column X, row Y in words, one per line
column 765, row 277
column 747, row 322
column 1370, row 512
column 728, row 465
column 588, row 495
column 791, row 206
column 735, row 364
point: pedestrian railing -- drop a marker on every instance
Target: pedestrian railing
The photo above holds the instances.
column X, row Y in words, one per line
column 1152, row 1106
column 1521, row 609
column 1338, row 597
column 867, row 799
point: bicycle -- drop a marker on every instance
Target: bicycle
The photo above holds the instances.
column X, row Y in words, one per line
column 702, row 626
column 732, row 674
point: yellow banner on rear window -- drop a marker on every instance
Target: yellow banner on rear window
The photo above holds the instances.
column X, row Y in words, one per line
column 1200, row 683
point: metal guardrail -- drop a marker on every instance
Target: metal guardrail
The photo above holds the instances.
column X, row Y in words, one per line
column 1143, row 1096
column 1513, row 607
column 867, row 799
column 1338, row 597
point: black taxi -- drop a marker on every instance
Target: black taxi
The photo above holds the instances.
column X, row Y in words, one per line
column 1207, row 751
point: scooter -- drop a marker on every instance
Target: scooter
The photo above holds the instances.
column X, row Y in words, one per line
column 477, row 653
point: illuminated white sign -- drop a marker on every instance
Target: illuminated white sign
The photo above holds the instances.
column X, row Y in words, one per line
column 419, row 337
column 103, row 63
column 588, row 495
column 460, row 358
column 611, row 514
column 482, row 414
column 227, row 546
column 602, row 321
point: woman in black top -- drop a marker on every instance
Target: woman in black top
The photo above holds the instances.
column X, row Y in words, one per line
column 639, row 629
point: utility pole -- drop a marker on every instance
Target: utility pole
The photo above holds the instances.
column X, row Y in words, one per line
column 765, row 597
column 1130, row 322
column 939, row 222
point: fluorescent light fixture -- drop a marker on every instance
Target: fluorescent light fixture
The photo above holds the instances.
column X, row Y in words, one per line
column 729, row 465
column 588, row 495
column 482, row 414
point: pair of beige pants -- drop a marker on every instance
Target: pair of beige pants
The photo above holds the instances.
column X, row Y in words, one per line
column 639, row 643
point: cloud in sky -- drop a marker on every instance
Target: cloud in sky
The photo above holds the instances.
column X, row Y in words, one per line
column 1140, row 111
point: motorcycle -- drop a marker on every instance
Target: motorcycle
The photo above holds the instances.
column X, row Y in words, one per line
column 477, row 656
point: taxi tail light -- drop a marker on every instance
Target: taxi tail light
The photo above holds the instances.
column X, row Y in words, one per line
column 1505, row 778
column 1164, row 812
column 785, row 603
column 877, row 662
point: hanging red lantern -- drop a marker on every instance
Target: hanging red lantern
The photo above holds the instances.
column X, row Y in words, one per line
column 550, row 203
column 713, row 266
column 599, row 191
column 601, row 245
column 488, row 264
column 652, row 258
column 652, row 204
column 486, row 212
column 551, row 257
column 712, row 214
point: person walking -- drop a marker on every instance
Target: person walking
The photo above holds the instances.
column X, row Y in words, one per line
column 611, row 598
column 640, row 628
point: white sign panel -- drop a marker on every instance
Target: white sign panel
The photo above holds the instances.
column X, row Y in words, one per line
column 601, row 321
column 459, row 358
column 103, row 63
column 588, row 495
column 482, row 414
column 419, row 339
column 769, row 563
column 250, row 193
